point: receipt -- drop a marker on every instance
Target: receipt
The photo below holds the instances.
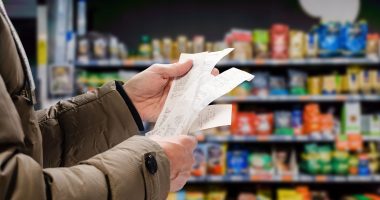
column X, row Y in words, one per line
column 212, row 116
column 186, row 108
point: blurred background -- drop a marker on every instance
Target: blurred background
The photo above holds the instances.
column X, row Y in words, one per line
column 306, row 128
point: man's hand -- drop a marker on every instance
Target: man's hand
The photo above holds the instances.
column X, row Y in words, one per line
column 148, row 90
column 179, row 150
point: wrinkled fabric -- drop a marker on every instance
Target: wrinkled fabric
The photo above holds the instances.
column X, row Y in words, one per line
column 82, row 148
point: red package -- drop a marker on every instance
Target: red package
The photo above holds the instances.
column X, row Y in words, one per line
column 264, row 124
column 279, row 40
column 244, row 124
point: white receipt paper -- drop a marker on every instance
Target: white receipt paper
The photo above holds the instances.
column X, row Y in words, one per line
column 187, row 108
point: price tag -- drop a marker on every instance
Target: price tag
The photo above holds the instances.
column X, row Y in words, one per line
column 236, row 178
column 263, row 138
column 287, row 178
column 128, row 62
column 259, row 61
column 320, row 178
column 304, row 97
column 339, row 178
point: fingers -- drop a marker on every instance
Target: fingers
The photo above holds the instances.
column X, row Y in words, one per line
column 189, row 142
column 175, row 69
column 215, row 72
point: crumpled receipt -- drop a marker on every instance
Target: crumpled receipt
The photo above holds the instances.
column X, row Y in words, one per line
column 187, row 108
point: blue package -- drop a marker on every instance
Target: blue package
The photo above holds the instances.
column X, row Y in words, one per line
column 277, row 85
column 329, row 41
column 297, row 121
column 237, row 162
column 353, row 39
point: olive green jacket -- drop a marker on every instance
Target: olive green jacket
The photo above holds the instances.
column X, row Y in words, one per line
column 82, row 148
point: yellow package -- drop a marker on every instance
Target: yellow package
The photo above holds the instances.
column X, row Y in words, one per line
column 364, row 81
column 287, row 194
column 217, row 195
column 329, row 84
column 352, row 75
column 172, row 196
column 297, row 44
column 313, row 85
column 195, row 195
column 374, row 79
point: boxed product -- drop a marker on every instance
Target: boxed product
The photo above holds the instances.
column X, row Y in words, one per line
column 261, row 164
column 200, row 156
column 216, row 194
column 264, row 123
column 329, row 85
column 351, row 118
column 288, row 194
column 370, row 124
column 283, row 123
column 277, row 85
column 296, row 44
column 297, row 121
column 311, row 117
column 260, row 43
column 237, row 162
column 244, row 124
column 260, row 84
column 364, row 81
column 216, row 155
column 279, row 41
column 297, row 82
column 167, row 48
column 314, row 85
column 145, row 47
column 373, row 44
column 311, row 44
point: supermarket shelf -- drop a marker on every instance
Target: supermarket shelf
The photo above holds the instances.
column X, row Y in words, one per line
column 118, row 64
column 279, row 138
column 303, row 98
column 286, row 179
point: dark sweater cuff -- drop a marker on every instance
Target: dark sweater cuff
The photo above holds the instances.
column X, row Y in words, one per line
column 132, row 108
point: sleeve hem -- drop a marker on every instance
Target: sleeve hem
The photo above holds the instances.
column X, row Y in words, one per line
column 130, row 105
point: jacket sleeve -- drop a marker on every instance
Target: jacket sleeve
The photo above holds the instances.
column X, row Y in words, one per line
column 88, row 124
column 118, row 173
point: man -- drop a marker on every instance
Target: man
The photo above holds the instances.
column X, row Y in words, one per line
column 86, row 147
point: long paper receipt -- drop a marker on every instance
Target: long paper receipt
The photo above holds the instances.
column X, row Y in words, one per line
column 187, row 108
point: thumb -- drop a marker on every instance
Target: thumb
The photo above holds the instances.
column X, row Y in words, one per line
column 175, row 69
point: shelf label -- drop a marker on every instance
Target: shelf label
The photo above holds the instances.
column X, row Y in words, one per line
column 263, row 138
column 286, row 178
column 321, row 178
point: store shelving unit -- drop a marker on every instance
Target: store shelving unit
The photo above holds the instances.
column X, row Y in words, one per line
column 117, row 64
column 303, row 98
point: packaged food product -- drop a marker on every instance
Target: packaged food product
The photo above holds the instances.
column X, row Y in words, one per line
column 353, row 164
column 277, row 85
column 243, row 51
column 218, row 194
column 260, row 84
column 326, row 123
column 244, row 89
column 245, row 124
column 113, row 48
column 83, row 49
column 264, row 123
column 260, row 43
column 296, row 44
column 288, row 194
column 370, row 124
column 311, row 44
column 297, row 121
column 283, row 123
column 261, row 164
column 340, row 163
column 353, row 38
column 182, row 44
column 310, row 157
column 279, row 40
column 264, row 194
column 328, row 39
column 325, row 158
column 216, row 155
column 364, row 81
column 200, row 156
column 246, row 196
column 311, row 119
column 353, row 74
column 145, row 48
column 198, row 44
column 373, row 156
column 329, row 85
column 351, row 121
column 195, row 195
column 123, row 52
column 363, row 167
column 209, row 46
column 285, row 162
column 297, row 82
column 167, row 48
column 373, row 44
column 313, row 85
column 374, row 77
column 190, row 47
column 237, row 162
column 156, row 46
